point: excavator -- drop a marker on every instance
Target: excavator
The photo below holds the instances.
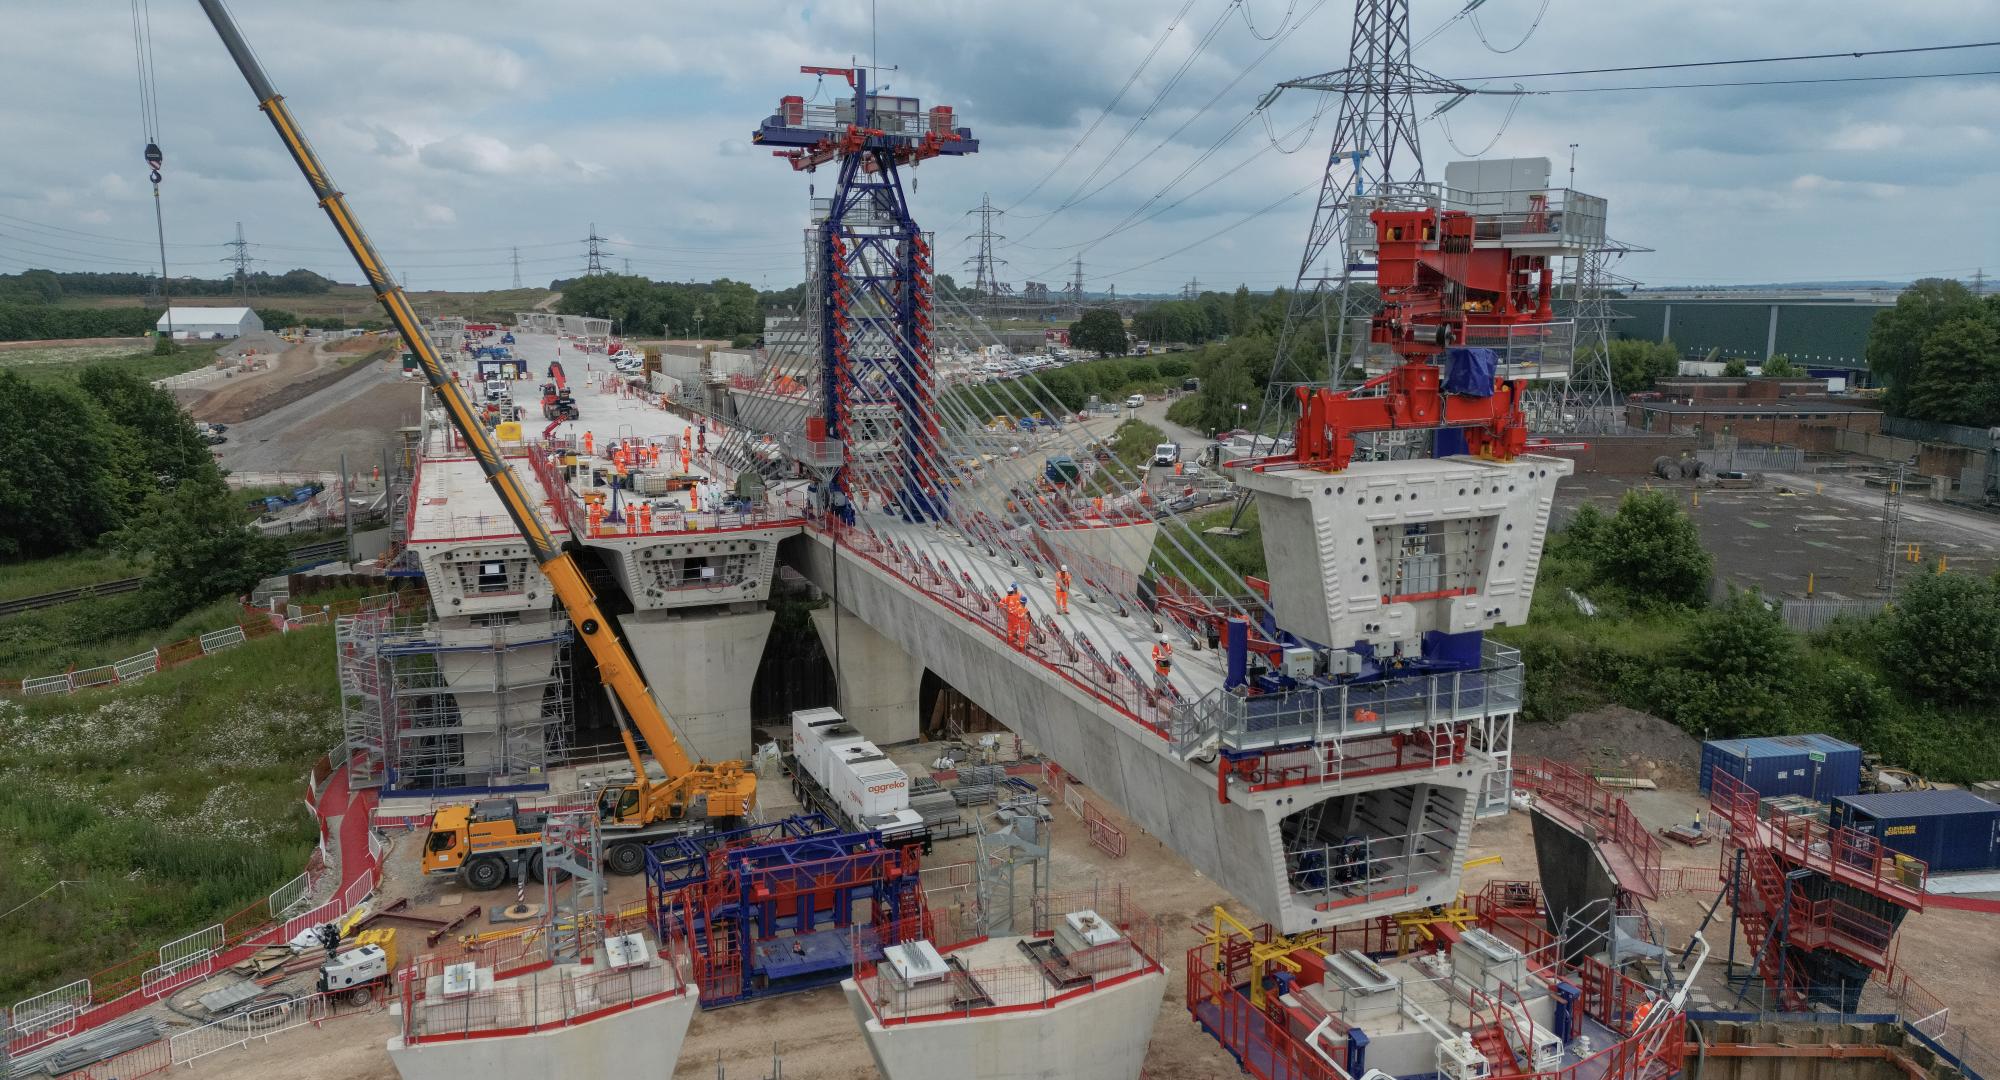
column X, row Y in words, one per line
column 492, row 842
column 557, row 403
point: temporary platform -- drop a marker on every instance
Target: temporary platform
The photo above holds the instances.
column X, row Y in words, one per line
column 624, row 1014
column 1075, row 999
column 1487, row 1002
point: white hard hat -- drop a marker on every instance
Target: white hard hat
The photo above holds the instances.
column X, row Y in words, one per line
column 1163, row 639
column 1065, row 567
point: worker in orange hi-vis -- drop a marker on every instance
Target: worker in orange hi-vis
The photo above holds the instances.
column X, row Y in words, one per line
column 589, row 442
column 1163, row 660
column 694, row 497
column 686, row 465
column 596, row 518
column 1097, row 504
column 1062, row 590
column 645, row 517
column 1016, row 611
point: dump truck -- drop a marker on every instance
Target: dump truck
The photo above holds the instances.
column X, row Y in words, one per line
column 689, row 793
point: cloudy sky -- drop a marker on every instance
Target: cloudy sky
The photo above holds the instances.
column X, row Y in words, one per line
column 460, row 130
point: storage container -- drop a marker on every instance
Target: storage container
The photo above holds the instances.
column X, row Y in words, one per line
column 1817, row 766
column 1949, row 830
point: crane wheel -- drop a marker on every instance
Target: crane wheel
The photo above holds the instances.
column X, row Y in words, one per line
column 627, row 858
column 485, row 872
column 535, row 867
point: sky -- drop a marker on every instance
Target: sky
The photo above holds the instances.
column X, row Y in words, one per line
column 461, row 131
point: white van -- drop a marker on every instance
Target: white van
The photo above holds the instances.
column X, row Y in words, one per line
column 1135, row 401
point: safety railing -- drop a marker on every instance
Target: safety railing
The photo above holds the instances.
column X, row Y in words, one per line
column 134, row 668
column 1601, row 808
column 1318, row 714
column 1843, row 854
column 1366, row 868
column 262, row 1023
column 542, row 1000
column 1520, row 217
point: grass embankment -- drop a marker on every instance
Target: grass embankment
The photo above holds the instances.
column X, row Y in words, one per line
column 97, row 630
column 173, row 803
column 63, row 572
column 63, row 362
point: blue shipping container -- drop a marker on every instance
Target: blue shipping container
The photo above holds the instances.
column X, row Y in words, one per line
column 1950, row 830
column 1784, row 765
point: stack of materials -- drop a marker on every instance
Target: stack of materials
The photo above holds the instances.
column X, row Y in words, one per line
column 89, row 1048
column 930, row 799
column 977, row 784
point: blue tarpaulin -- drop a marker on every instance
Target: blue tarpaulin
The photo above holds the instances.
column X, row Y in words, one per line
column 1470, row 371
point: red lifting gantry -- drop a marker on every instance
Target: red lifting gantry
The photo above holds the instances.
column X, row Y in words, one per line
column 1435, row 283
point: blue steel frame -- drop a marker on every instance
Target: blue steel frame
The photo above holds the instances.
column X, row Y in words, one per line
column 872, row 251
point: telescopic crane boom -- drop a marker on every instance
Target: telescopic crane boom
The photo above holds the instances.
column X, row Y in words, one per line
column 719, row 789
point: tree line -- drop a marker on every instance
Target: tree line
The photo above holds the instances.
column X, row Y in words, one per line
column 1938, row 353
column 1915, row 683
column 641, row 306
column 112, row 460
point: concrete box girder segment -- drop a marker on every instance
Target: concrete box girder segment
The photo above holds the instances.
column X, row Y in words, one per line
column 1241, row 842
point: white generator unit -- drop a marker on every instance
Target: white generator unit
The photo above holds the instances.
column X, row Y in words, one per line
column 1458, row 1059
column 360, row 967
column 1485, row 961
column 851, row 776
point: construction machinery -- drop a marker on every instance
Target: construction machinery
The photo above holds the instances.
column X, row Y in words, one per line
column 688, row 792
column 356, row 973
column 558, row 404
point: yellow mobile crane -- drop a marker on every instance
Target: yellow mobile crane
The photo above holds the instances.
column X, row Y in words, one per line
column 493, row 841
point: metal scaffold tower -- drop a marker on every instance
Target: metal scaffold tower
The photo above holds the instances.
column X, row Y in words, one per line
column 1374, row 144
column 425, row 708
column 874, row 300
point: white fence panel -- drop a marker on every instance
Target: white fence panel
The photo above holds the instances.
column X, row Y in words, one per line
column 102, row 675
column 216, row 640
column 47, row 684
column 132, row 669
column 239, row 1029
column 49, row 1015
column 182, row 959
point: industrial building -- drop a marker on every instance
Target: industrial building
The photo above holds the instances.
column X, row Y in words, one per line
column 209, row 323
column 1824, row 333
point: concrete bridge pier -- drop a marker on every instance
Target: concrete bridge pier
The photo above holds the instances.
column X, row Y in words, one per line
column 701, row 663
column 877, row 681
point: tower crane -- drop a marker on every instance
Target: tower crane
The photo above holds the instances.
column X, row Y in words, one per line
column 493, row 840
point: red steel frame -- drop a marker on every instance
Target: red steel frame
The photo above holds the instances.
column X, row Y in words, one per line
column 1636, row 851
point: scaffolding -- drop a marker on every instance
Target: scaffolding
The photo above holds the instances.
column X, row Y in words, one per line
column 428, row 705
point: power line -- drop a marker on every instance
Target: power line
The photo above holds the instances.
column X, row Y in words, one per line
column 1769, row 82
column 1854, row 54
column 595, row 258
column 517, row 268
column 1106, row 111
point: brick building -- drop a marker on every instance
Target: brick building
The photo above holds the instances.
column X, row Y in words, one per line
column 1809, row 424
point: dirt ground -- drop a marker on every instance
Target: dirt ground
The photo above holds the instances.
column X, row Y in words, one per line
column 243, row 396
column 1952, row 953
column 1616, row 741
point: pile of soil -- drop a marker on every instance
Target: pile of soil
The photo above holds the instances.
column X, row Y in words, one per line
column 1616, row 741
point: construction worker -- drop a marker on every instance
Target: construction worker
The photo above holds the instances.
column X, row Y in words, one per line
column 1015, row 611
column 596, row 518
column 1062, row 590
column 645, row 517
column 1163, row 660
column 686, row 465
column 589, row 442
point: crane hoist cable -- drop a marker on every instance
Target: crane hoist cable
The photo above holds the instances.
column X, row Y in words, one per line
column 149, row 124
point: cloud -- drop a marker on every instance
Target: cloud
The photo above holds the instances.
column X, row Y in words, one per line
column 1867, row 136
column 435, row 214
column 484, row 155
column 94, row 217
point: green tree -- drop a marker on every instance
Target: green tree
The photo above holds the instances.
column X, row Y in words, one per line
column 1241, row 310
column 1636, row 364
column 1957, row 380
column 64, row 469
column 1099, row 330
column 1736, row 670
column 1735, row 369
column 168, row 448
column 1650, row 551
column 1781, row 367
column 199, row 545
column 1897, row 337
column 1941, row 642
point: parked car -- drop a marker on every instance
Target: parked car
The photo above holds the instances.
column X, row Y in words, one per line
column 1135, row 401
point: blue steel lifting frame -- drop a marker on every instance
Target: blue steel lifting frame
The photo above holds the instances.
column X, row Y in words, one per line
column 874, row 258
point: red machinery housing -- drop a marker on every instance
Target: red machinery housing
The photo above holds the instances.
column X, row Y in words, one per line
column 1439, row 291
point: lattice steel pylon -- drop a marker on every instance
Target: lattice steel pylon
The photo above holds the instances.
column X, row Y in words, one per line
column 985, row 267
column 1374, row 144
column 1586, row 403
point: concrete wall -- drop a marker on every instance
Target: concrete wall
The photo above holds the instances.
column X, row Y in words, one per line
column 1100, row 1036
column 1238, row 843
column 637, row 1044
column 700, row 664
column 1629, row 454
column 877, row 680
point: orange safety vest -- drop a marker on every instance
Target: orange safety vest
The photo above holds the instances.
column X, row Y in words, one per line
column 1163, row 654
column 1062, row 580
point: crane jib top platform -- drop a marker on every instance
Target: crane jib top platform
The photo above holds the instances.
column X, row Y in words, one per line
column 720, row 789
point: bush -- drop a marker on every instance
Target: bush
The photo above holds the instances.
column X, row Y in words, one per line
column 1649, row 551
column 1941, row 642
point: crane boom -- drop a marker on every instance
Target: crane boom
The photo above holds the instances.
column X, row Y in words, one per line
column 729, row 789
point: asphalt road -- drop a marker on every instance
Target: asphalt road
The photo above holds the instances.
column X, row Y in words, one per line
column 268, row 443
